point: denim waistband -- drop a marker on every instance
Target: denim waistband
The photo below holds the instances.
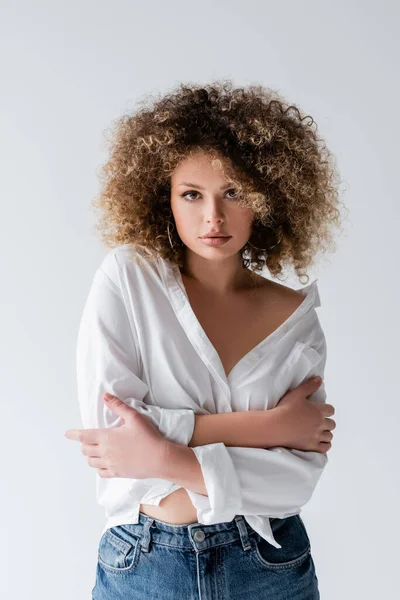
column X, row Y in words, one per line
column 187, row 536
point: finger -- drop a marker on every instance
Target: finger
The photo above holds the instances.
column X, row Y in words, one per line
column 310, row 385
column 328, row 410
column 96, row 462
column 326, row 436
column 91, row 450
column 329, row 424
column 104, row 473
column 87, row 436
column 324, row 446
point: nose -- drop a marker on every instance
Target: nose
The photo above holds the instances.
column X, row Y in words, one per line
column 214, row 211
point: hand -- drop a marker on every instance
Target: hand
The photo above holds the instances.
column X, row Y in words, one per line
column 135, row 448
column 305, row 425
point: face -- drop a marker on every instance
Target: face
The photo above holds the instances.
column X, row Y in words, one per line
column 203, row 201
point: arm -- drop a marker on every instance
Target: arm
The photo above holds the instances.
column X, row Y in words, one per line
column 182, row 467
column 275, row 482
column 248, row 428
column 107, row 361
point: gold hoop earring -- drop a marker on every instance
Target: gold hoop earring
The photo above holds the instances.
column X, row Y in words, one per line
column 250, row 244
column 270, row 248
column 265, row 249
column 169, row 236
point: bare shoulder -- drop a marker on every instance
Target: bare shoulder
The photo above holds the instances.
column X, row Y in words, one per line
column 279, row 295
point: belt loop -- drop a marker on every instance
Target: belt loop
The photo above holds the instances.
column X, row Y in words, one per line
column 146, row 534
column 244, row 536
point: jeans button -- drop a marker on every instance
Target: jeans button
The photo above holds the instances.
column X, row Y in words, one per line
column 199, row 535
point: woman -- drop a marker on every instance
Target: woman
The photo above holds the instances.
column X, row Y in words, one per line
column 203, row 496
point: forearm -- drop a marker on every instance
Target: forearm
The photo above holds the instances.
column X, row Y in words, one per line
column 252, row 428
column 182, row 467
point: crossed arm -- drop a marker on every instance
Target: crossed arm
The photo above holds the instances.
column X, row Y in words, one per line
column 229, row 463
column 253, row 429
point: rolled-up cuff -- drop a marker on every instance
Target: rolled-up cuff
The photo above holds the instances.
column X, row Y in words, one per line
column 224, row 499
column 177, row 425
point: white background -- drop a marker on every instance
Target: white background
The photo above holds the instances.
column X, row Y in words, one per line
column 67, row 70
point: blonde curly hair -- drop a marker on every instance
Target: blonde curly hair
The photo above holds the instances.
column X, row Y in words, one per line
column 282, row 170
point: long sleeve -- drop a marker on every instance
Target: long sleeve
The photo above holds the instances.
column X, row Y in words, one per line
column 107, row 360
column 275, row 482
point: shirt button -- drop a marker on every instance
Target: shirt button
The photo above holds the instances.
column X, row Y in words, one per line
column 199, row 535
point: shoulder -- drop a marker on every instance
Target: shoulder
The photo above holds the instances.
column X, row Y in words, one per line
column 279, row 295
column 292, row 298
column 131, row 270
column 121, row 258
column 307, row 328
column 120, row 255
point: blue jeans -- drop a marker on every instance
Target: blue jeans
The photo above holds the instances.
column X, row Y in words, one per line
column 153, row 560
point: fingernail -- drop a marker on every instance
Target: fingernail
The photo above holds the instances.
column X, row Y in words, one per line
column 317, row 379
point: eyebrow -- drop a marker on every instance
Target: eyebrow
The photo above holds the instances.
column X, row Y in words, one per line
column 200, row 187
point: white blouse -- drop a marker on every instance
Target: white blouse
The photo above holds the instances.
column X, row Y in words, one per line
column 140, row 340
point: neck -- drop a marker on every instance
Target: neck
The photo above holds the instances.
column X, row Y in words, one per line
column 218, row 277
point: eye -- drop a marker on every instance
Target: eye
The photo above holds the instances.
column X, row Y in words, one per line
column 186, row 193
column 195, row 199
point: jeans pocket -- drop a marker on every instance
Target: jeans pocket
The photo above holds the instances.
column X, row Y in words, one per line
column 118, row 550
column 291, row 534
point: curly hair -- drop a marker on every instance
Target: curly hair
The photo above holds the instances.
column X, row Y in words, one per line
column 283, row 171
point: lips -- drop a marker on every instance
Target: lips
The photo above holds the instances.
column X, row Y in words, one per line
column 214, row 236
